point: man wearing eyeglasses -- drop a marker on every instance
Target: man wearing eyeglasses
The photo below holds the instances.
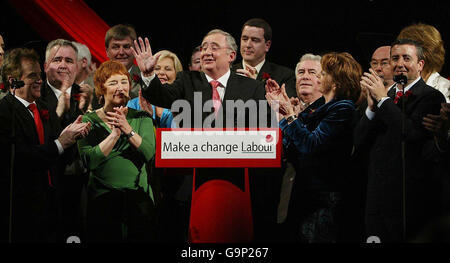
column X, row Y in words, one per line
column 380, row 63
column 217, row 82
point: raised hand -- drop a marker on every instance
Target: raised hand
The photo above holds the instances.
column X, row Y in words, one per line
column 144, row 57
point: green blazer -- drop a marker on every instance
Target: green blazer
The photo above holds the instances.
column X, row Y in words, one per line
column 125, row 166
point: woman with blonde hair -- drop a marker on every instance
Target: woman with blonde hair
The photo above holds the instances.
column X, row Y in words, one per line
column 166, row 69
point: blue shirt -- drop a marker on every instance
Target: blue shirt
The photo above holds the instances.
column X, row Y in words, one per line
column 166, row 120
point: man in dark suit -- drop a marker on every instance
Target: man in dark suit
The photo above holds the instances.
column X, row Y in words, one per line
column 218, row 50
column 389, row 120
column 256, row 39
column 68, row 100
column 34, row 129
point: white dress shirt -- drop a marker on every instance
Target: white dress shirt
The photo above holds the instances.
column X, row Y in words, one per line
column 257, row 67
column 57, row 92
column 222, row 80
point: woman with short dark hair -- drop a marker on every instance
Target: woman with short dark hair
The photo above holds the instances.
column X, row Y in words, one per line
column 319, row 143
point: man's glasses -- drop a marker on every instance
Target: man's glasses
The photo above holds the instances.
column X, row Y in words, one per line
column 212, row 46
column 383, row 64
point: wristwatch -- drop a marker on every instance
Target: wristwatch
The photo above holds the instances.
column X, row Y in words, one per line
column 129, row 135
column 291, row 118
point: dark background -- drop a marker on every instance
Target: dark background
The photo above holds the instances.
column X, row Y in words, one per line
column 298, row 26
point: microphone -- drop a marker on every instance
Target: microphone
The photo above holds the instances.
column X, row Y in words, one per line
column 400, row 79
column 17, row 84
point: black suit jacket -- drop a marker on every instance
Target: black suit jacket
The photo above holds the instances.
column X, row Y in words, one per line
column 188, row 82
column 382, row 136
column 49, row 98
column 264, row 194
column 32, row 161
column 278, row 73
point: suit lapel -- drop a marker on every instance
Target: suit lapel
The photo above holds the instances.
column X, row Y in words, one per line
column 73, row 102
column 230, row 92
column 49, row 97
column 135, row 85
column 391, row 92
column 23, row 116
column 266, row 68
column 206, row 90
column 416, row 92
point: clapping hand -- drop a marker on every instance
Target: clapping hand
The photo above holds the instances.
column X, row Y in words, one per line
column 248, row 72
column 144, row 57
column 439, row 125
column 297, row 105
column 277, row 98
column 118, row 119
column 63, row 99
column 73, row 132
column 374, row 85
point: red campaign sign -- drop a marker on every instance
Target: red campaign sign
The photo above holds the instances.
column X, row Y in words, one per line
column 240, row 153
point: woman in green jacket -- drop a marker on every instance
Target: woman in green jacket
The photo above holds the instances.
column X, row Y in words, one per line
column 119, row 146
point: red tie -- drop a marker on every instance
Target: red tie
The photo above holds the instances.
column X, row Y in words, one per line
column 40, row 130
column 216, row 97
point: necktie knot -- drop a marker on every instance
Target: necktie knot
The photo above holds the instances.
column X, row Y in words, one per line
column 32, row 107
column 214, row 84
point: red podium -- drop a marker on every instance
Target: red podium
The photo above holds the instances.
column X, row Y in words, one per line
column 220, row 211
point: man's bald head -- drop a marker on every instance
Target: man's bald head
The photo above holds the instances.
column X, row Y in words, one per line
column 380, row 62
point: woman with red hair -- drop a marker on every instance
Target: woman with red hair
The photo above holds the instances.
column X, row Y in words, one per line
column 319, row 143
column 117, row 150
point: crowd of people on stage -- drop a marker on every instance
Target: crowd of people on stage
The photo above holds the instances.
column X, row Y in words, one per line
column 368, row 152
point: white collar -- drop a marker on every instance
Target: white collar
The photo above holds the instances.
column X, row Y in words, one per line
column 57, row 91
column 258, row 67
column 24, row 102
column 392, row 86
column 409, row 86
column 223, row 80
